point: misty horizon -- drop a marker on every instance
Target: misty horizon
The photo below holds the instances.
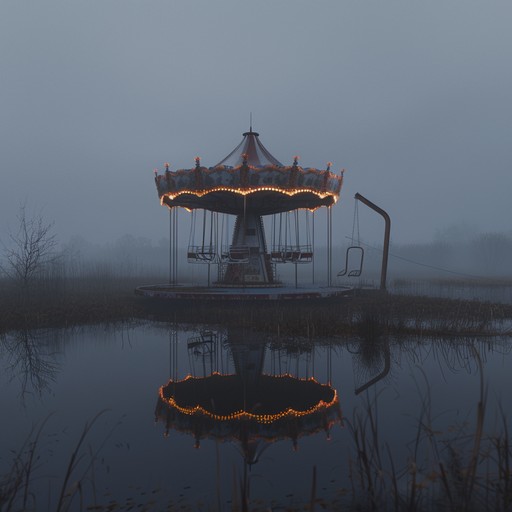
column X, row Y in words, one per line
column 413, row 100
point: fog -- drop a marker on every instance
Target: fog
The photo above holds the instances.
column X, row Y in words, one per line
column 413, row 99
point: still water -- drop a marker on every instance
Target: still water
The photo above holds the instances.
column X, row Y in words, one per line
column 202, row 418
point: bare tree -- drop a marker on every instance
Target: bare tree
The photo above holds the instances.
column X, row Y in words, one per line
column 30, row 249
column 31, row 360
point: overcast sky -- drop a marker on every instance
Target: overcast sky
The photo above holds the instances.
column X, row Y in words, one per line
column 413, row 98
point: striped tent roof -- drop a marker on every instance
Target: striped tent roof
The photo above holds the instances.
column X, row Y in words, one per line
column 252, row 151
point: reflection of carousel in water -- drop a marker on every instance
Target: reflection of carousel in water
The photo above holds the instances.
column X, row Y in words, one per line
column 248, row 406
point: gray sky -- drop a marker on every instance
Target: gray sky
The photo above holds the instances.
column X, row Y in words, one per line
column 414, row 99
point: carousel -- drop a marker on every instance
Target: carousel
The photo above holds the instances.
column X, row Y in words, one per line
column 232, row 204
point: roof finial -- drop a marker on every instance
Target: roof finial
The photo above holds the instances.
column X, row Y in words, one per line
column 250, row 122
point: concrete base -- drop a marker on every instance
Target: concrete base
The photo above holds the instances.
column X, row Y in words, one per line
column 220, row 294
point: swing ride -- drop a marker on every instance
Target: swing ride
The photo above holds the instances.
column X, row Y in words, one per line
column 253, row 187
column 249, row 184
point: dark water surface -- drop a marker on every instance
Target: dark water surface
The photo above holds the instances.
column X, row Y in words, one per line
column 132, row 456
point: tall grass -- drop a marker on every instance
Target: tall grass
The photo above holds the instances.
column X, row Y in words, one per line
column 66, row 302
column 17, row 489
column 461, row 470
column 72, row 291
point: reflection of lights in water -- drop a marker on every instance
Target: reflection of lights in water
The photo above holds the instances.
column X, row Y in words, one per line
column 167, row 396
column 249, row 405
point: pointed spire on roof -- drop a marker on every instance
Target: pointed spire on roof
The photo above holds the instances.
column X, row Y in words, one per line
column 250, row 150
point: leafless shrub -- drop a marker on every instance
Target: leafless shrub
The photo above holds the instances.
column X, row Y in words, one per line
column 30, row 250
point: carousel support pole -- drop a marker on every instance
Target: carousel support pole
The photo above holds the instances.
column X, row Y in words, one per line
column 313, row 247
column 329, row 246
column 387, row 231
column 327, row 233
column 244, row 269
column 329, row 365
column 173, row 352
column 176, row 224
column 171, row 247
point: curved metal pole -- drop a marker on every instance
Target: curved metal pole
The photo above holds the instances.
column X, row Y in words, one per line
column 387, row 231
column 381, row 375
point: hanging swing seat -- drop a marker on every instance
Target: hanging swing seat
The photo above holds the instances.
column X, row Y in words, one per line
column 203, row 249
column 201, row 254
column 353, row 262
column 236, row 254
column 355, row 253
column 204, row 343
column 296, row 254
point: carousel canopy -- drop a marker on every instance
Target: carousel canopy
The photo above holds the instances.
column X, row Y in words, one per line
column 249, row 179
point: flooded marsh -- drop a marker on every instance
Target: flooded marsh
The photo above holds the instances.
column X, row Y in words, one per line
column 167, row 416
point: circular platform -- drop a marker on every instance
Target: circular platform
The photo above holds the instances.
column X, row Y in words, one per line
column 220, row 294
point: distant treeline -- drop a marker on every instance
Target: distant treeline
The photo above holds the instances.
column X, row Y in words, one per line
column 484, row 255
